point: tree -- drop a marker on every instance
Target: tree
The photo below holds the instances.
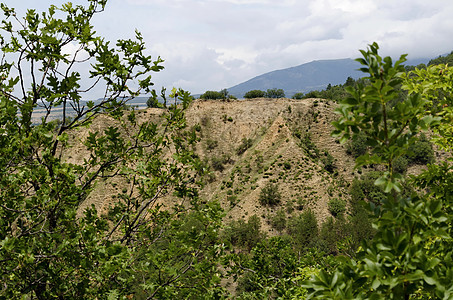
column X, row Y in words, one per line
column 213, row 95
column 304, row 230
column 275, row 93
column 51, row 249
column 254, row 94
column 403, row 260
column 298, row 96
column 270, row 195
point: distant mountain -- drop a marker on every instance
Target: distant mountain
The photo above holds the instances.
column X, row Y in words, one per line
column 315, row 75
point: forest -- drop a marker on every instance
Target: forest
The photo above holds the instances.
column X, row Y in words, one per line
column 388, row 234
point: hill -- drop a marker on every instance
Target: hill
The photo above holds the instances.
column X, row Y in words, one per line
column 249, row 144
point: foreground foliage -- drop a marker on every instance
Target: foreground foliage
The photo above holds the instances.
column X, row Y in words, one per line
column 50, row 249
column 411, row 252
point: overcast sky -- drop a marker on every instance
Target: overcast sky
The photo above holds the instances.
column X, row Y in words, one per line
column 215, row 44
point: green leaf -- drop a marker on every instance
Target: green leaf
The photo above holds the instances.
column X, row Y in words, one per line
column 430, row 280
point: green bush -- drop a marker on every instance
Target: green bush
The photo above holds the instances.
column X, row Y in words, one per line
column 364, row 188
column 357, row 146
column 311, row 94
column 270, row 195
column 278, row 221
column 336, row 206
column 243, row 234
column 421, row 152
column 298, row 96
column 275, row 93
column 153, row 102
column 254, row 94
column 400, row 164
column 213, row 95
column 329, row 162
column 303, row 229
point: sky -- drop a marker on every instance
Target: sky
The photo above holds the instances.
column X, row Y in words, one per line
column 216, row 44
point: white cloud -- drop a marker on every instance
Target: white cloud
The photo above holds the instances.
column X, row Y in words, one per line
column 213, row 44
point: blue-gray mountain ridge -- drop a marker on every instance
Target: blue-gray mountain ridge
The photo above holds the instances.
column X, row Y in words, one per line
column 315, row 75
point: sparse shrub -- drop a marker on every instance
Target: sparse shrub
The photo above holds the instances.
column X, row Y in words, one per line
column 336, row 206
column 232, row 199
column 310, row 147
column 204, row 121
column 290, row 206
column 197, row 127
column 328, row 162
column 218, row 163
column 275, row 93
column 211, row 144
column 245, row 144
column 254, row 94
column 270, row 195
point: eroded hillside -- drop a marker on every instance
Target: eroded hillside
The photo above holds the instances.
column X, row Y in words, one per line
column 248, row 145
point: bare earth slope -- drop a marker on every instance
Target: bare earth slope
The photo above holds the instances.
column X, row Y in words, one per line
column 282, row 141
column 287, row 142
column 278, row 131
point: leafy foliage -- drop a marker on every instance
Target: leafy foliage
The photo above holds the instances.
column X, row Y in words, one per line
column 336, row 207
column 270, row 195
column 269, row 270
column 278, row 221
column 212, row 95
column 50, row 247
column 254, row 94
column 304, row 229
column 357, row 146
column 298, row 96
column 275, row 93
column 244, row 234
column 412, row 233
